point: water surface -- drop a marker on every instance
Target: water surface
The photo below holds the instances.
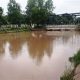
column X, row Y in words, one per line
column 36, row 55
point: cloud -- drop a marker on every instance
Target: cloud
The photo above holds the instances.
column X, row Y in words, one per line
column 67, row 6
column 61, row 6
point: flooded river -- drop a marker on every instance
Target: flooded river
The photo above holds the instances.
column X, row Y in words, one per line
column 36, row 55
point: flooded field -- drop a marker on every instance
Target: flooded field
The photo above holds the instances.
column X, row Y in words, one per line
column 36, row 55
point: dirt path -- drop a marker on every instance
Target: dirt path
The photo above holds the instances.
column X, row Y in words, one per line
column 77, row 73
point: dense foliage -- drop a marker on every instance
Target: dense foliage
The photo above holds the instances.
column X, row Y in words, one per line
column 75, row 59
column 14, row 12
column 1, row 11
column 38, row 13
column 2, row 18
column 69, row 74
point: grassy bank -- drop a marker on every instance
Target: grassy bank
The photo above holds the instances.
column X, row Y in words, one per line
column 75, row 59
column 69, row 74
column 24, row 27
column 14, row 29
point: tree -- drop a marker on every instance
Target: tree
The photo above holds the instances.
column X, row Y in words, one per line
column 49, row 6
column 2, row 18
column 77, row 21
column 67, row 18
column 37, row 11
column 1, row 11
column 14, row 12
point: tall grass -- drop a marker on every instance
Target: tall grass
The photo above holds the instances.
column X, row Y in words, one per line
column 69, row 73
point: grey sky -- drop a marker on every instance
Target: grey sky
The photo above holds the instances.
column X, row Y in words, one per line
column 67, row 6
column 61, row 6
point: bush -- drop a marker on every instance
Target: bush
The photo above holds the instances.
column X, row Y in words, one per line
column 75, row 59
column 68, row 75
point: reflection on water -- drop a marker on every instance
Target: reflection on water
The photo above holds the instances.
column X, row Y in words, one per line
column 1, row 47
column 15, row 46
column 39, row 44
column 20, row 53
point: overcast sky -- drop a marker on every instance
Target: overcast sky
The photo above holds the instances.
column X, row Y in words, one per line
column 61, row 6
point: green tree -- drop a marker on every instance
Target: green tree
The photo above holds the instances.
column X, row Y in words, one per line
column 37, row 12
column 77, row 21
column 1, row 11
column 14, row 12
column 2, row 18
column 49, row 6
column 67, row 18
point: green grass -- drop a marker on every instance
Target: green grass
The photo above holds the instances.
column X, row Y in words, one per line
column 69, row 74
column 75, row 59
column 13, row 29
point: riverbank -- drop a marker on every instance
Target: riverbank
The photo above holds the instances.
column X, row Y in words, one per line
column 77, row 73
column 13, row 29
column 73, row 74
column 63, row 27
column 24, row 28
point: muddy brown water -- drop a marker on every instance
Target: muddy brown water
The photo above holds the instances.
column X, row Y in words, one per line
column 36, row 55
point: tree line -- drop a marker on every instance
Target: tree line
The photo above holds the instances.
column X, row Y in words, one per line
column 38, row 13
